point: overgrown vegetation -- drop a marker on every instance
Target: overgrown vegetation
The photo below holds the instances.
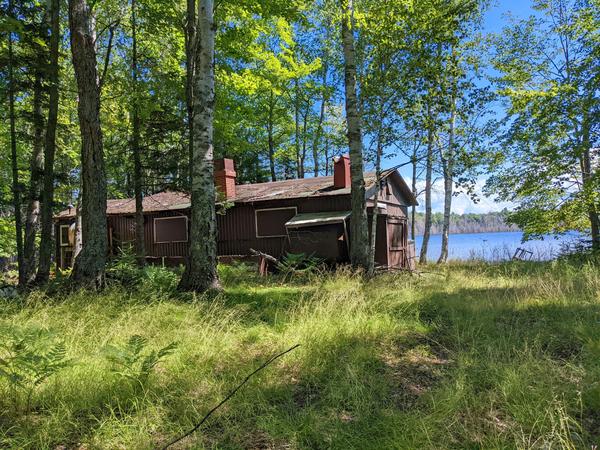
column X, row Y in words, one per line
column 480, row 356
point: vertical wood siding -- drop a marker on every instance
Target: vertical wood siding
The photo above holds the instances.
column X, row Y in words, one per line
column 237, row 228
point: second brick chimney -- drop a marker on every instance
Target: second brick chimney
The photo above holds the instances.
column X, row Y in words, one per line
column 225, row 177
column 341, row 172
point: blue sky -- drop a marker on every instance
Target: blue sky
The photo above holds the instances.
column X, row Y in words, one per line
column 495, row 19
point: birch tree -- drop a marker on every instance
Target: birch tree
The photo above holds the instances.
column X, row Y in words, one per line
column 359, row 240
column 201, row 268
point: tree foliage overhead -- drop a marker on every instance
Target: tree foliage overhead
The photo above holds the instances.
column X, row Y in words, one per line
column 425, row 97
column 548, row 76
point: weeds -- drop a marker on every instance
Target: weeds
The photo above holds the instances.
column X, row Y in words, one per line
column 484, row 356
column 131, row 362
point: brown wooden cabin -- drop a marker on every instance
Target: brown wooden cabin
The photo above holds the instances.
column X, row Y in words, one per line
column 309, row 215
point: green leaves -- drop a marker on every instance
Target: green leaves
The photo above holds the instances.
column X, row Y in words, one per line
column 133, row 362
column 545, row 66
column 28, row 357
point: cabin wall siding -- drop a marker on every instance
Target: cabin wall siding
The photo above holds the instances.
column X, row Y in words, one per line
column 236, row 228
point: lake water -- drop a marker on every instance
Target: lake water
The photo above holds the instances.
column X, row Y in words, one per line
column 493, row 246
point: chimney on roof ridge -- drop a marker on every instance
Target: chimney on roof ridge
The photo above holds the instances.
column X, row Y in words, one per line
column 224, row 173
column 341, row 172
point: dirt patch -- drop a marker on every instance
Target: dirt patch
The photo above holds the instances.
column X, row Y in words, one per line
column 305, row 394
column 413, row 368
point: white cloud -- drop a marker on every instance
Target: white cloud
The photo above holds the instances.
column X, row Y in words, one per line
column 462, row 203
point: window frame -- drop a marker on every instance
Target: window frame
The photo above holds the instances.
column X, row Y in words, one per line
column 256, row 211
column 60, row 236
column 187, row 233
column 403, row 224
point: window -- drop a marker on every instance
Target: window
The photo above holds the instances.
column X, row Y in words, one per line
column 170, row 229
column 397, row 234
column 64, row 236
column 271, row 222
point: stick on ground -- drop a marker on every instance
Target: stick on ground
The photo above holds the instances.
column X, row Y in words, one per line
column 231, row 394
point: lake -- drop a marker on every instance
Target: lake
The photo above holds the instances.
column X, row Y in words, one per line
column 493, row 246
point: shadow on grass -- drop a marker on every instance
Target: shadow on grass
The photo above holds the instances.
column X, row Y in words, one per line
column 265, row 304
column 345, row 391
column 551, row 347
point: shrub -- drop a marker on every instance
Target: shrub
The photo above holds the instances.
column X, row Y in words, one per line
column 159, row 280
column 124, row 269
column 298, row 263
column 152, row 279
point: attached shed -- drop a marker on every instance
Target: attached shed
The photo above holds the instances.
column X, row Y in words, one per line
column 309, row 215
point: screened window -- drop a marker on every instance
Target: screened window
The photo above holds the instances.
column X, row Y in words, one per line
column 271, row 222
column 64, row 236
column 170, row 229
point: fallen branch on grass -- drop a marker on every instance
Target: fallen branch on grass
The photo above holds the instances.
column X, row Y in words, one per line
column 263, row 255
column 231, row 394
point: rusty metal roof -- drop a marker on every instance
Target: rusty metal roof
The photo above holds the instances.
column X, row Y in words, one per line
column 163, row 201
column 247, row 193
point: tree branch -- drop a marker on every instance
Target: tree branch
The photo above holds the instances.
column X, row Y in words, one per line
column 231, row 394
column 111, row 34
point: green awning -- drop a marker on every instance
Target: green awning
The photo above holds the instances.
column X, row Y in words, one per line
column 320, row 218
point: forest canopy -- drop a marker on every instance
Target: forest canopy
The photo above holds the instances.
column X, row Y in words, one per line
column 282, row 87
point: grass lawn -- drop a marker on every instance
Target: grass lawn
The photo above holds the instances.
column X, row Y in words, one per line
column 472, row 356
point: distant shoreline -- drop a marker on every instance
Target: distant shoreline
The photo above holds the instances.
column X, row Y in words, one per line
column 491, row 222
column 473, row 232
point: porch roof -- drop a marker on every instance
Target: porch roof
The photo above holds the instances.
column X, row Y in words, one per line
column 318, row 218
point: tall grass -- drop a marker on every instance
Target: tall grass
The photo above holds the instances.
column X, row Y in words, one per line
column 472, row 356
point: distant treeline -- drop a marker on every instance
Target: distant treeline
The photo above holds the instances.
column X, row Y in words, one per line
column 466, row 223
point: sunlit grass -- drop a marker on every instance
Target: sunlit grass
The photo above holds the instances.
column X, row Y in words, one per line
column 473, row 355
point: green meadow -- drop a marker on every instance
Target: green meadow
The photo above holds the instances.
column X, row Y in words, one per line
column 465, row 356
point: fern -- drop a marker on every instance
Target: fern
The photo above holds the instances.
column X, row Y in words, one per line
column 298, row 263
column 28, row 357
column 131, row 362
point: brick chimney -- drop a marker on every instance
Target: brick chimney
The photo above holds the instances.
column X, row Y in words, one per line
column 225, row 177
column 341, row 172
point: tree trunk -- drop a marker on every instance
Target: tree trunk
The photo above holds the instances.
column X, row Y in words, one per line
column 50, row 147
column 319, row 131
column 201, row 269
column 448, row 170
column 375, row 213
column 359, row 235
column 271, row 139
column 588, row 178
column 13, row 153
column 326, row 155
column 78, row 238
column 413, row 212
column 190, row 42
column 301, row 171
column 297, row 127
column 428, row 176
column 140, row 251
column 89, row 266
column 32, row 217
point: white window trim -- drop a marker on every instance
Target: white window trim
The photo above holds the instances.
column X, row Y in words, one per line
column 170, row 218
column 60, row 236
column 256, row 211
